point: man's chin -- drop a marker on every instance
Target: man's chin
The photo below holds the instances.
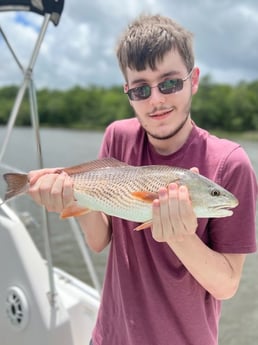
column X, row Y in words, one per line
column 167, row 134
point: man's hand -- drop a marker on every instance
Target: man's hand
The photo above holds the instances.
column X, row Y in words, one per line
column 173, row 215
column 50, row 189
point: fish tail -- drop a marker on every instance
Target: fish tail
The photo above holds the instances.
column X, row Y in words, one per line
column 16, row 184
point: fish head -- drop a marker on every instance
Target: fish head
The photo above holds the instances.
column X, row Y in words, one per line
column 209, row 199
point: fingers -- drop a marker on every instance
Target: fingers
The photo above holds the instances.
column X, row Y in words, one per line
column 187, row 214
column 195, row 170
column 54, row 191
column 159, row 212
column 178, row 198
column 173, row 215
column 34, row 175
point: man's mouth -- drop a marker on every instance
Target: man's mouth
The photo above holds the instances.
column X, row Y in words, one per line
column 161, row 114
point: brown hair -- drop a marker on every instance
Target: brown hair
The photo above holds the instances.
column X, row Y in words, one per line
column 148, row 38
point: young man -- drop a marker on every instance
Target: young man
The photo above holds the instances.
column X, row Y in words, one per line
column 164, row 285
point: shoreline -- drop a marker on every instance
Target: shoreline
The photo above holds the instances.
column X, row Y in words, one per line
column 247, row 136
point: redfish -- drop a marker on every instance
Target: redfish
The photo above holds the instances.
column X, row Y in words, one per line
column 127, row 192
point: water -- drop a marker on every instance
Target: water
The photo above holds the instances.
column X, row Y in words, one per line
column 67, row 147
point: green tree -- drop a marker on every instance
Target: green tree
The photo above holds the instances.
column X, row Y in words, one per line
column 215, row 106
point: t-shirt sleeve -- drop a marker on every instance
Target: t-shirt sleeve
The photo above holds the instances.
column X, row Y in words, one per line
column 237, row 233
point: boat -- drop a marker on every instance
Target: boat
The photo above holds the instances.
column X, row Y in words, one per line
column 39, row 304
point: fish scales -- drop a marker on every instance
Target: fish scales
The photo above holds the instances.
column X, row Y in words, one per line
column 125, row 191
column 111, row 189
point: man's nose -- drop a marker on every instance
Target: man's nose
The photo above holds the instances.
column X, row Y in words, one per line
column 156, row 96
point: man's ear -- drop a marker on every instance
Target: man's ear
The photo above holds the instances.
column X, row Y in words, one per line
column 195, row 80
column 126, row 88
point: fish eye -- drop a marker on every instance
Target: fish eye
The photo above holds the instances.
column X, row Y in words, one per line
column 215, row 192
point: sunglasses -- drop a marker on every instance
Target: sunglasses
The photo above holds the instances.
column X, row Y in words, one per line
column 166, row 87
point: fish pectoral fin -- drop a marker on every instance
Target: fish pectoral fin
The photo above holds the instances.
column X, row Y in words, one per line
column 147, row 197
column 143, row 226
column 74, row 211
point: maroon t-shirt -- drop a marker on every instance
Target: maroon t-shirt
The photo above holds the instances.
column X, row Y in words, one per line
column 149, row 297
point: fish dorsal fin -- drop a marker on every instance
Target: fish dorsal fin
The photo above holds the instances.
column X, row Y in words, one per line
column 93, row 165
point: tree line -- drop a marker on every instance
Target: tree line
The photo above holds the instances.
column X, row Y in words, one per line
column 233, row 108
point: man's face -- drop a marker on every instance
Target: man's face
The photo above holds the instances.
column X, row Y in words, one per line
column 163, row 115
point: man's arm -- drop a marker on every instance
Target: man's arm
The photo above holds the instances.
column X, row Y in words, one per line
column 174, row 222
column 97, row 230
column 218, row 273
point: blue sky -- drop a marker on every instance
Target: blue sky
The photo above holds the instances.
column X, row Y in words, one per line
column 22, row 19
column 80, row 50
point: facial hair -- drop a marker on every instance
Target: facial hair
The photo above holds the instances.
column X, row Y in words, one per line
column 172, row 133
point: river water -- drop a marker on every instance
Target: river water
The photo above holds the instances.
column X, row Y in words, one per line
column 67, row 147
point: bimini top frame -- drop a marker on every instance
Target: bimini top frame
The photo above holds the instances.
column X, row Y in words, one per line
column 51, row 11
column 42, row 7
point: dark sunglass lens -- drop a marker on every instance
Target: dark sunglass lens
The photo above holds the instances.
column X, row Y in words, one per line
column 139, row 93
column 171, row 86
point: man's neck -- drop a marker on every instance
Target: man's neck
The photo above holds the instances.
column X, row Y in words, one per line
column 173, row 144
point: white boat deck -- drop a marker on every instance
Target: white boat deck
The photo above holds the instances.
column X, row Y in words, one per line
column 29, row 313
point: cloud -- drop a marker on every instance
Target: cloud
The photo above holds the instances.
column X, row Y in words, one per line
column 80, row 50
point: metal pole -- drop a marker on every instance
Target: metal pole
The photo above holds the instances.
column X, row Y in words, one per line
column 85, row 254
column 11, row 50
column 35, row 123
column 28, row 83
column 24, row 85
column 45, row 217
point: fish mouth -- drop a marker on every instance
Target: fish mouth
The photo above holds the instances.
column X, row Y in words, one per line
column 214, row 212
column 222, row 211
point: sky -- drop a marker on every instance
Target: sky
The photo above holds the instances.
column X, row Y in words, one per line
column 80, row 50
